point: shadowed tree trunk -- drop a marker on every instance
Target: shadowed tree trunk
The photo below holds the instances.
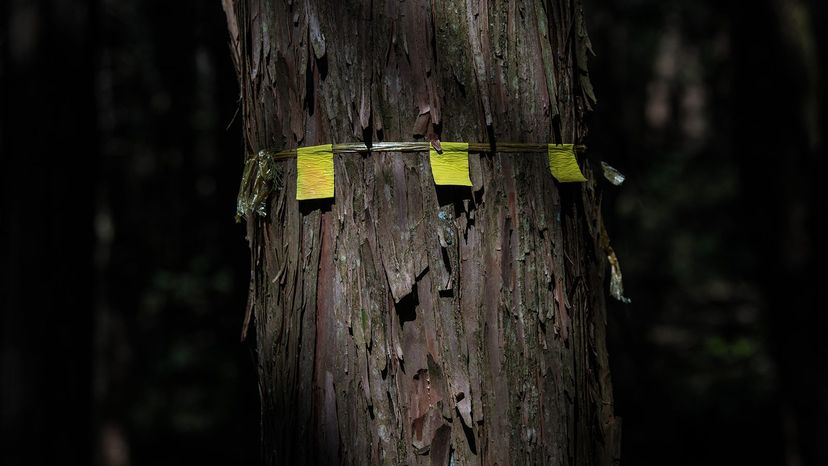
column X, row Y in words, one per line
column 783, row 176
column 48, row 131
column 404, row 323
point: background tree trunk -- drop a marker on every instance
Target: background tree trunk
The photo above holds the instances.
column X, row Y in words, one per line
column 48, row 153
column 406, row 323
column 783, row 182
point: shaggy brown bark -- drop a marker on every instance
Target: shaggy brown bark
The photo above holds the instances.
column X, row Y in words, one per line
column 404, row 323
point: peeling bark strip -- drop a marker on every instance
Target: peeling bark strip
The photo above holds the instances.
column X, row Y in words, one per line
column 405, row 323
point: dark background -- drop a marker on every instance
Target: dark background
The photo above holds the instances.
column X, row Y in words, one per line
column 124, row 275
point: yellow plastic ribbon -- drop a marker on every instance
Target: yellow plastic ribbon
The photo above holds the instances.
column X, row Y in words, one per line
column 314, row 172
column 563, row 164
column 452, row 166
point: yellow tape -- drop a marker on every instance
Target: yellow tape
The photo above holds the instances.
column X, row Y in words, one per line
column 563, row 164
column 452, row 166
column 314, row 172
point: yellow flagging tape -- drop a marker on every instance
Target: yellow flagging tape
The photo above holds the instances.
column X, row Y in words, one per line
column 563, row 164
column 452, row 166
column 314, row 172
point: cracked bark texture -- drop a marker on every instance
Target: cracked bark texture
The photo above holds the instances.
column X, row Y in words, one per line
column 404, row 323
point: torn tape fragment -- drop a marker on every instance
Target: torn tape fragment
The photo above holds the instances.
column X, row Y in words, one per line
column 616, row 279
column 314, row 172
column 563, row 164
column 612, row 175
column 452, row 166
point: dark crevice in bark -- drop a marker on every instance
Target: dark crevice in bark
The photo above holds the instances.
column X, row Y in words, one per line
column 407, row 307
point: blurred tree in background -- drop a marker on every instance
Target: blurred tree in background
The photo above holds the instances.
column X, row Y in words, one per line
column 172, row 265
column 124, row 278
column 707, row 107
column 125, row 288
column 689, row 355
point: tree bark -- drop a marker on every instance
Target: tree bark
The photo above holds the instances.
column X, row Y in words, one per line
column 404, row 323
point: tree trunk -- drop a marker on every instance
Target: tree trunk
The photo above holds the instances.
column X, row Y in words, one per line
column 404, row 323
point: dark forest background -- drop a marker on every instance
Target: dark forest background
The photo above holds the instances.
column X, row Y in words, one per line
column 124, row 276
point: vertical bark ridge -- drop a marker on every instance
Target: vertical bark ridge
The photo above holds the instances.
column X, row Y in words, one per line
column 404, row 323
